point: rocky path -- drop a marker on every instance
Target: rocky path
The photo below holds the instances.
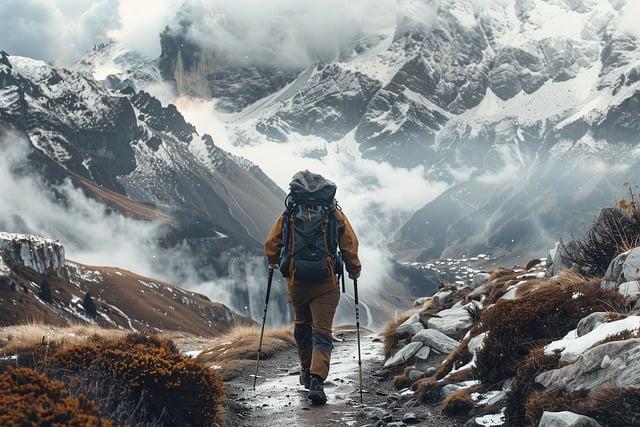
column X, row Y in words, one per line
column 279, row 400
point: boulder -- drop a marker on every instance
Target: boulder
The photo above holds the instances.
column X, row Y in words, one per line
column 442, row 298
column 480, row 279
column 631, row 266
column 453, row 321
column 592, row 321
column 421, row 301
column 478, row 292
column 557, row 258
column 614, row 271
column 572, row 348
column 630, row 290
column 423, row 354
column 436, row 340
column 410, row 418
column 32, row 252
column 404, row 354
column 566, row 419
column 476, row 343
column 410, row 327
column 616, row 363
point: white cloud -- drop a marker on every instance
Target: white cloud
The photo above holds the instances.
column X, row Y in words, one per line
column 54, row 30
column 630, row 16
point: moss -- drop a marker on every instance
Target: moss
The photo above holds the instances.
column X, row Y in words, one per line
column 30, row 398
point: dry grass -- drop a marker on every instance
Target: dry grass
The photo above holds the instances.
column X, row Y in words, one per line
column 459, row 402
column 515, row 327
column 524, row 383
column 389, row 334
column 34, row 334
column 241, row 343
column 402, row 381
column 609, row 405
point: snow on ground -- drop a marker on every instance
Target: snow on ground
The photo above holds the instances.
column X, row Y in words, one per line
column 571, row 348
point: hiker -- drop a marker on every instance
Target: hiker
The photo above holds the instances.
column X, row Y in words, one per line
column 304, row 245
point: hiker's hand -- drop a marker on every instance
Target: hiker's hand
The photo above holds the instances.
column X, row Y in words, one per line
column 273, row 266
column 354, row 276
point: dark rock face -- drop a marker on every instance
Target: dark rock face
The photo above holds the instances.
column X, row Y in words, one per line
column 164, row 119
column 516, row 70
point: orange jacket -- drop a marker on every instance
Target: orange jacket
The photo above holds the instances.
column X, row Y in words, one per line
column 347, row 242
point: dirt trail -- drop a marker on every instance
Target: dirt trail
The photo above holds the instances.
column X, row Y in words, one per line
column 280, row 401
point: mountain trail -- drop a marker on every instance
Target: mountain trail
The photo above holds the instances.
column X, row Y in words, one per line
column 279, row 400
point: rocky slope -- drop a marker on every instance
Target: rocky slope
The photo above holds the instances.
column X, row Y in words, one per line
column 131, row 144
column 551, row 343
column 38, row 284
column 519, row 105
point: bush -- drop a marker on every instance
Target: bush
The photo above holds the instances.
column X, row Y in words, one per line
column 459, row 402
column 30, row 398
column 524, row 383
column 613, row 232
column 515, row 327
column 142, row 380
column 609, row 405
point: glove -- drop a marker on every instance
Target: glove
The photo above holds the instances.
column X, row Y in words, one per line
column 354, row 276
column 273, row 266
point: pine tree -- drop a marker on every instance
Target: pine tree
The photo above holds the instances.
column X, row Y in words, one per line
column 89, row 305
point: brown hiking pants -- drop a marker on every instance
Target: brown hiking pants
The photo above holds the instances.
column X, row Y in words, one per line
column 314, row 305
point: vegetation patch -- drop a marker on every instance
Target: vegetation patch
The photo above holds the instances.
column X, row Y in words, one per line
column 515, row 327
column 29, row 398
column 459, row 402
column 389, row 334
column 610, row 406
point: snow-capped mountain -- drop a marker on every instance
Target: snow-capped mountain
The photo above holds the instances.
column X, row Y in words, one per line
column 496, row 98
column 129, row 143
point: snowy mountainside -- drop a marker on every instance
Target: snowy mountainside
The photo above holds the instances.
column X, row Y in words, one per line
column 494, row 98
column 129, row 143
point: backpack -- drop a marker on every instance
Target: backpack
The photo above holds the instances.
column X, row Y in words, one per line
column 310, row 230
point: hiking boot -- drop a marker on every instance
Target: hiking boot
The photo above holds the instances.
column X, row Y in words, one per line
column 316, row 392
column 305, row 378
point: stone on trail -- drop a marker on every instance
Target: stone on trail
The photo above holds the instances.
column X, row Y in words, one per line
column 566, row 419
column 436, row 340
column 415, row 375
column 453, row 321
column 403, row 355
column 423, row 354
column 410, row 327
column 410, row 418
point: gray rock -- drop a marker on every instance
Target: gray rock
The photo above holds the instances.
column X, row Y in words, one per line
column 414, row 375
column 589, row 323
column 566, row 419
column 630, row 290
column 478, row 292
column 631, row 266
column 396, row 424
column 410, row 418
column 614, row 271
column 436, row 340
column 616, row 363
column 430, row 371
column 558, row 261
column 476, row 343
column 423, row 354
column 410, row 327
column 404, row 354
column 449, row 389
column 376, row 413
column 453, row 321
column 480, row 279
column 442, row 298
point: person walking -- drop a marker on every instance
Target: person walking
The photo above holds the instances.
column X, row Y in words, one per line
column 310, row 242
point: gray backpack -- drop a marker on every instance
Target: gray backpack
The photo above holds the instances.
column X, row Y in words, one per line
column 310, row 230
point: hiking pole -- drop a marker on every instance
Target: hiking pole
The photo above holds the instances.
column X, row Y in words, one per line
column 355, row 295
column 264, row 320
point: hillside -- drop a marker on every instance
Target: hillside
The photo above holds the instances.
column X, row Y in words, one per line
column 551, row 343
column 38, row 284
